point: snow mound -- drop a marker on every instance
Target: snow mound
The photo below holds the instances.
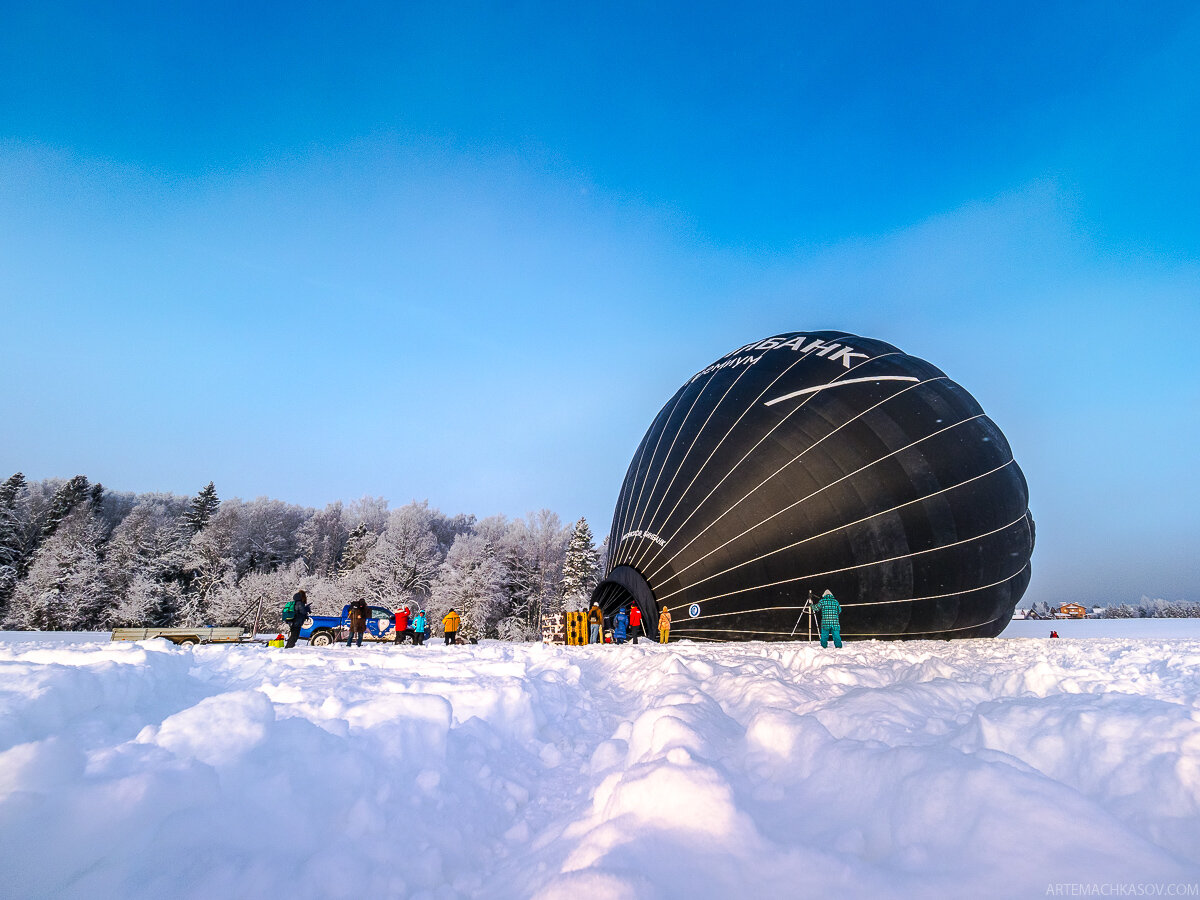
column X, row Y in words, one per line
column 981, row 768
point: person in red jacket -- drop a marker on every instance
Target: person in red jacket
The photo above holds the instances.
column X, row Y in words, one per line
column 402, row 630
column 635, row 622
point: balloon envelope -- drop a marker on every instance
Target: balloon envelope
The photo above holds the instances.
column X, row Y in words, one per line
column 816, row 461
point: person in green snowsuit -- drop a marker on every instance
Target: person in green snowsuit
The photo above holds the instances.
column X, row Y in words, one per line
column 827, row 610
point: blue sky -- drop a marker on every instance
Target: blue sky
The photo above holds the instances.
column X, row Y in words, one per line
column 465, row 252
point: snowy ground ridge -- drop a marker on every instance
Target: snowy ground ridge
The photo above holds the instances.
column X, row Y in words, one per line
column 997, row 768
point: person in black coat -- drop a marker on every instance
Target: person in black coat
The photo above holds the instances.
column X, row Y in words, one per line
column 300, row 611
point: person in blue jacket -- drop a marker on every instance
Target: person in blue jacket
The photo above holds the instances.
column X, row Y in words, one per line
column 827, row 610
column 418, row 628
column 620, row 626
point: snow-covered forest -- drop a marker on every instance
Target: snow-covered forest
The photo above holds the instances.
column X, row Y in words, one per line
column 1146, row 608
column 75, row 556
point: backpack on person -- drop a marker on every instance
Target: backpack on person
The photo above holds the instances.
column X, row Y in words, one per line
column 289, row 611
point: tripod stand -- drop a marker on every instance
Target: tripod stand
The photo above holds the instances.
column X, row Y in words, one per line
column 808, row 608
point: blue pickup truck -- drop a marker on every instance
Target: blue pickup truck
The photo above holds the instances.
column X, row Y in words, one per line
column 321, row 631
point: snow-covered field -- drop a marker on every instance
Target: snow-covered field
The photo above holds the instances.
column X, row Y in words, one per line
column 1000, row 768
column 1105, row 628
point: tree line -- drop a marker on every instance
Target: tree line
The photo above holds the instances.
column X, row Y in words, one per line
column 76, row 556
column 1152, row 608
column 1146, row 608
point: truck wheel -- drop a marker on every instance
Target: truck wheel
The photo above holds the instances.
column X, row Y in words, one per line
column 320, row 639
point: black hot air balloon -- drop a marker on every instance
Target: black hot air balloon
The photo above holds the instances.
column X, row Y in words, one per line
column 813, row 461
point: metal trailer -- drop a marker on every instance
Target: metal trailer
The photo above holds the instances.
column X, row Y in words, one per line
column 189, row 637
column 184, row 637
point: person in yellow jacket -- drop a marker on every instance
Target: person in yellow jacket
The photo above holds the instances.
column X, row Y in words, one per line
column 450, row 624
column 664, row 625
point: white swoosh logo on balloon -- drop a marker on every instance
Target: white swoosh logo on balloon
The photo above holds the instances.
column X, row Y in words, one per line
column 833, row 384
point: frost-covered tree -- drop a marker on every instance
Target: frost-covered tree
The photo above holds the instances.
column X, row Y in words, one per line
column 146, row 563
column 236, row 603
column 369, row 511
column 269, row 535
column 531, row 551
column 326, row 595
column 259, row 536
column 147, row 602
column 11, row 490
column 212, row 559
column 103, row 557
column 71, row 493
column 12, row 536
column 358, row 544
column 401, row 565
column 322, row 539
column 471, row 581
column 545, row 539
column 579, row 567
column 115, row 506
column 203, row 507
column 1154, row 608
column 446, row 528
column 64, row 588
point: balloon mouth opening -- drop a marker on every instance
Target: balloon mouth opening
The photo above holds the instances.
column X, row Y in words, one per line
column 625, row 586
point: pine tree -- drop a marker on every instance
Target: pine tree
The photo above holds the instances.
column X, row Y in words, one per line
column 10, row 490
column 203, row 507
column 579, row 570
column 11, row 538
column 66, row 498
column 358, row 545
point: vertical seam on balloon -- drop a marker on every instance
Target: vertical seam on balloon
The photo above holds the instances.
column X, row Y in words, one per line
column 679, row 467
column 751, row 406
column 640, row 524
column 624, row 515
column 624, row 512
column 667, row 421
column 614, row 532
column 814, row 537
